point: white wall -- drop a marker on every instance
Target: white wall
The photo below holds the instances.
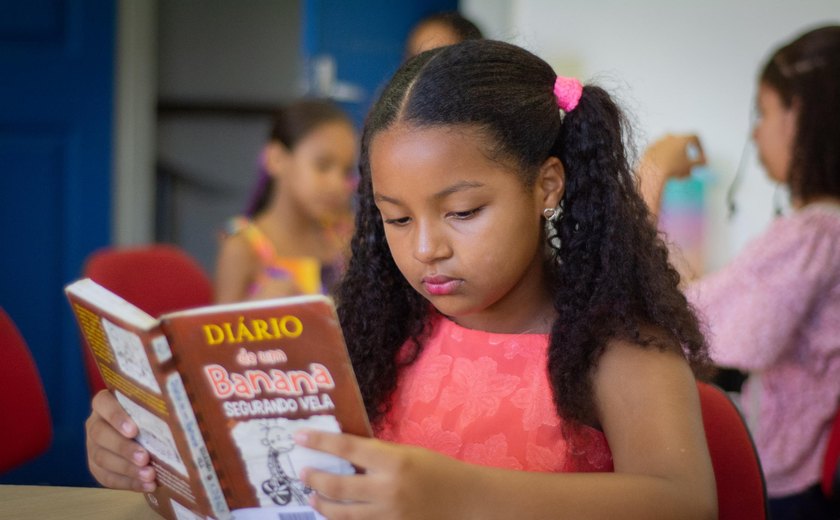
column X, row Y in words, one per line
column 676, row 66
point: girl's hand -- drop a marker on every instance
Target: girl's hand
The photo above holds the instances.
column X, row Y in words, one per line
column 670, row 157
column 114, row 459
column 673, row 156
column 399, row 481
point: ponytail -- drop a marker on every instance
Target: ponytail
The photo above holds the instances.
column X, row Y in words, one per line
column 613, row 278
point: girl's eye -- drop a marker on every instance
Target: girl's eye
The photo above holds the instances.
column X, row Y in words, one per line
column 465, row 215
column 396, row 221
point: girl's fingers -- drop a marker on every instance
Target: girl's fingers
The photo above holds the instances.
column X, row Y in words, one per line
column 113, row 471
column 102, row 436
column 697, row 156
column 106, row 406
column 359, row 451
column 343, row 488
column 114, row 459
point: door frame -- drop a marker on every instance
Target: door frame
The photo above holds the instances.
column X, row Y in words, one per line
column 135, row 93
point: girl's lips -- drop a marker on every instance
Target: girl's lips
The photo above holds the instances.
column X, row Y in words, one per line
column 441, row 285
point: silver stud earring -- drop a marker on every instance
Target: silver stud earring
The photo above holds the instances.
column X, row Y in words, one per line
column 552, row 217
column 554, row 214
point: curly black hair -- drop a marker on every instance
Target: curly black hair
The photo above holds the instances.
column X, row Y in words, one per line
column 611, row 278
column 806, row 71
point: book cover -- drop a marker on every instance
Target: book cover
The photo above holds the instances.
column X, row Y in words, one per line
column 218, row 393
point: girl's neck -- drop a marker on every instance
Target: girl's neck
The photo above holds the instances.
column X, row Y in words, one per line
column 293, row 233
column 287, row 215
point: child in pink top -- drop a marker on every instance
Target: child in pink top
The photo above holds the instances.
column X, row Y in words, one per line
column 514, row 324
column 774, row 312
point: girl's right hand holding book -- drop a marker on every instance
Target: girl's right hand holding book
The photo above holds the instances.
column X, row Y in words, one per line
column 115, row 459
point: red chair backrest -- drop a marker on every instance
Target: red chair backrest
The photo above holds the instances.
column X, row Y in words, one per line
column 157, row 278
column 741, row 489
column 831, row 462
column 27, row 428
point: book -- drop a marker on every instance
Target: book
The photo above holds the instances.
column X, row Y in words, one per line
column 218, row 393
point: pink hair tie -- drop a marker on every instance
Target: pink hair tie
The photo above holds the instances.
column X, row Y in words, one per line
column 568, row 92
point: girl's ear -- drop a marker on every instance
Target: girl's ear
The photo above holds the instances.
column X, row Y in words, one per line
column 551, row 183
column 792, row 118
column 277, row 159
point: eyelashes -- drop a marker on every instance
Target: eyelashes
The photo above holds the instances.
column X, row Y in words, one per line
column 456, row 215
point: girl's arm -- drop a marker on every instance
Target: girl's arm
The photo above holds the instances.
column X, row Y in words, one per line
column 114, row 458
column 649, row 409
column 235, row 269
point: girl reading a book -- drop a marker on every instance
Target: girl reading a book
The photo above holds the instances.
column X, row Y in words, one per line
column 516, row 330
column 294, row 236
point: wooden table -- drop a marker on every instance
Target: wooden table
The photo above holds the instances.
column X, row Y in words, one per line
column 48, row 502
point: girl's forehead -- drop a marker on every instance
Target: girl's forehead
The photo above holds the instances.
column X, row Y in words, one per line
column 325, row 132
column 418, row 161
column 447, row 146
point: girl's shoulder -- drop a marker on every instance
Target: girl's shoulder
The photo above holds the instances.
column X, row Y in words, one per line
column 814, row 226
column 237, row 225
column 822, row 215
column 244, row 230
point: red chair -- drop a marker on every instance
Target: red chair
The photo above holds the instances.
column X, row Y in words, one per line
column 157, row 278
column 27, row 428
column 831, row 462
column 741, row 490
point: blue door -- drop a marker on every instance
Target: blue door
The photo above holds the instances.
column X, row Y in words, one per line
column 56, row 111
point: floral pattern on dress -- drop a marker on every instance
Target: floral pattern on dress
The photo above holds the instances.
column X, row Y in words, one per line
column 493, row 452
column 429, row 434
column 477, row 387
column 536, row 412
column 486, row 399
column 550, row 459
column 425, row 387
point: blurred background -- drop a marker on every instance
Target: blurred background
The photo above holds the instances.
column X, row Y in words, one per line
column 136, row 121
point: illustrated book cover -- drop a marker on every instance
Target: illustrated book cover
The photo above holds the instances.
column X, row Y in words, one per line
column 218, row 393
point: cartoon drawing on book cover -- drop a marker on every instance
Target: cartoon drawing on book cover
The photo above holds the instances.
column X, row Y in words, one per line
column 154, row 435
column 131, row 357
column 282, row 486
column 273, row 462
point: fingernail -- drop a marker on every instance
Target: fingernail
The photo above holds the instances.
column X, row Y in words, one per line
column 126, row 427
column 147, row 475
column 138, row 456
column 148, row 487
column 301, row 436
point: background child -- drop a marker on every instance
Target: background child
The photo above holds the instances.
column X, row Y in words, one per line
column 293, row 239
column 440, row 29
column 775, row 310
column 508, row 306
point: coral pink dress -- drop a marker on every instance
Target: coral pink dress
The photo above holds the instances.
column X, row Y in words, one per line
column 485, row 398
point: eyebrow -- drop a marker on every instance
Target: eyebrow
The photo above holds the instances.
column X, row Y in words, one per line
column 458, row 186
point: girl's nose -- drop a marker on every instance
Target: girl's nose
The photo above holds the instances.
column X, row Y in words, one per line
column 430, row 244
